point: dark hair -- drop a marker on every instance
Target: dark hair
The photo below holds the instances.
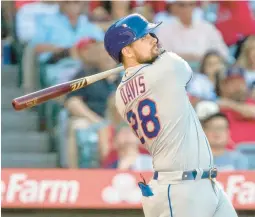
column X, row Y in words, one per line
column 252, row 85
column 107, row 5
column 219, row 114
column 239, row 45
column 207, row 55
column 121, row 57
column 217, row 84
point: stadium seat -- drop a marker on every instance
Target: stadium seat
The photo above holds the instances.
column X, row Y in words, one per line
column 248, row 149
column 60, row 132
column 211, row 12
column 232, row 50
column 88, row 147
column 48, row 111
column 48, row 77
column 194, row 65
column 252, row 5
column 29, row 69
column 87, row 142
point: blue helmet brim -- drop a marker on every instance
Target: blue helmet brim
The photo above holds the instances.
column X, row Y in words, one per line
column 151, row 27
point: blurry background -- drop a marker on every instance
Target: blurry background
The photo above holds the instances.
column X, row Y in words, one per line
column 49, row 42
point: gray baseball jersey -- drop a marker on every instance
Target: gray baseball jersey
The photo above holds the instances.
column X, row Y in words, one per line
column 152, row 98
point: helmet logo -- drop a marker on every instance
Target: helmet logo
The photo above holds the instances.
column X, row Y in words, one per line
column 124, row 25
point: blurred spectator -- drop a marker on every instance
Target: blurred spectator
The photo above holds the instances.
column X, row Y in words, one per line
column 216, row 127
column 157, row 6
column 20, row 3
column 107, row 133
column 252, row 5
column 62, row 30
column 28, row 16
column 87, row 106
column 253, row 90
column 127, row 154
column 230, row 21
column 7, row 50
column 234, row 89
column 246, row 59
column 239, row 45
column 236, row 103
column 190, row 38
column 110, row 9
column 4, row 26
column 203, row 85
column 145, row 10
column 56, row 34
column 105, row 12
column 171, row 10
column 113, row 10
column 87, row 51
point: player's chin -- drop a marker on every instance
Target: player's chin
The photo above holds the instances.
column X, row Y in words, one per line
column 153, row 58
column 149, row 60
column 155, row 53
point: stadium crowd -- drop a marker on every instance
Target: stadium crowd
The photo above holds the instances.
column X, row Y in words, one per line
column 62, row 41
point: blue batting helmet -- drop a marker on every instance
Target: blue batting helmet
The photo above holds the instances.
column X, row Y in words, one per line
column 124, row 32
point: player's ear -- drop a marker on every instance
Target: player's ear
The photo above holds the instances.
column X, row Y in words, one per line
column 127, row 52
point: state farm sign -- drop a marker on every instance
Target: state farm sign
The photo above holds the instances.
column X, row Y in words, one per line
column 21, row 188
column 99, row 189
column 240, row 190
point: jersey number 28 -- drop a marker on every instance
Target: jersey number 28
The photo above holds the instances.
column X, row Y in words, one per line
column 147, row 117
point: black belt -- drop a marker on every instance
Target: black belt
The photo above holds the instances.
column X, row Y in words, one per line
column 191, row 175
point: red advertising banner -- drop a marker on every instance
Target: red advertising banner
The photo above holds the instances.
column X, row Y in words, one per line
column 111, row 189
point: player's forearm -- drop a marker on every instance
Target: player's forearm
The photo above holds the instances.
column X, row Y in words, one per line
column 223, row 49
column 190, row 57
column 246, row 110
column 58, row 56
column 103, row 25
column 78, row 108
column 104, row 147
column 41, row 48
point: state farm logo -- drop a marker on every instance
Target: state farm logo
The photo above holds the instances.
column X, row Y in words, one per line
column 239, row 189
column 21, row 189
column 122, row 189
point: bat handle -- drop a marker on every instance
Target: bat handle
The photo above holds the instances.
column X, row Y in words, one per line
column 93, row 78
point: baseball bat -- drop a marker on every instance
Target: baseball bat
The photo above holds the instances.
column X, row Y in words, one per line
column 41, row 96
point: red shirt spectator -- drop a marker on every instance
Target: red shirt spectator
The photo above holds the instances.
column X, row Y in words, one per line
column 241, row 129
column 19, row 4
column 112, row 157
column 127, row 153
column 231, row 18
column 237, row 106
column 156, row 5
column 94, row 4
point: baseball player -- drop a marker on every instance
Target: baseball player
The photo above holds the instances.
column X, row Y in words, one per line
column 152, row 98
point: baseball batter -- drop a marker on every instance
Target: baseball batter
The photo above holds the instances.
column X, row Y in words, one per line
column 152, row 98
